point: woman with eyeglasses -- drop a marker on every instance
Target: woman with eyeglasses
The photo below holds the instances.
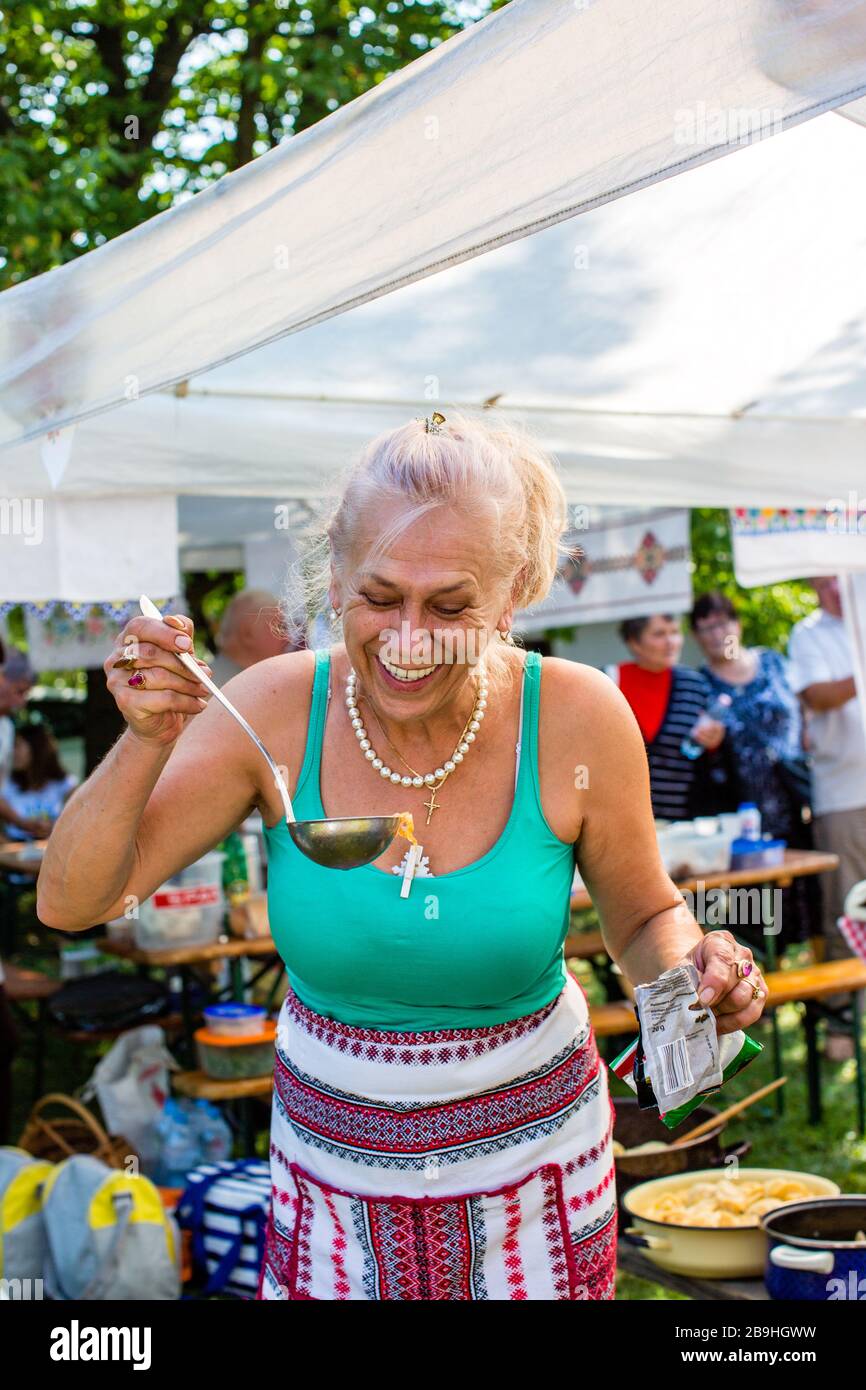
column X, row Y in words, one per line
column 766, row 738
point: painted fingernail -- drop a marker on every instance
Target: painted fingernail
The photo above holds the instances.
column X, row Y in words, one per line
column 707, row 995
column 137, row 679
column 175, row 622
column 183, row 643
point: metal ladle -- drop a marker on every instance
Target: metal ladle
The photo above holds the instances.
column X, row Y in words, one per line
column 339, row 842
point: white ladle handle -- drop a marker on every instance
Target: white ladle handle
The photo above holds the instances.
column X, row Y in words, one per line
column 150, row 610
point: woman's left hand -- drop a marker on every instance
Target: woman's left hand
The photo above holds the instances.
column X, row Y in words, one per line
column 731, row 997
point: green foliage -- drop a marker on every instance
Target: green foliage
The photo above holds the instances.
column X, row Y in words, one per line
column 111, row 110
column 768, row 613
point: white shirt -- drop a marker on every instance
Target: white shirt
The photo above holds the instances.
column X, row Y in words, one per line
column 47, row 801
column 819, row 650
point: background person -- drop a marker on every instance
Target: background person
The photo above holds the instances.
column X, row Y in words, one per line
column 766, row 729
column 37, row 786
column 251, row 629
column 822, row 674
column 16, row 681
column 16, row 678
column 667, row 700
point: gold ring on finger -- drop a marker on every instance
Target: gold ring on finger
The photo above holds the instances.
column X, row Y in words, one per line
column 138, row 680
column 126, row 663
column 757, row 993
column 744, row 967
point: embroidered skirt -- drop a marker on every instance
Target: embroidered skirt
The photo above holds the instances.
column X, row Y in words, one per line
column 469, row 1163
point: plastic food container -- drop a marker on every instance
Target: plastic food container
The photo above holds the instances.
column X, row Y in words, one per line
column 82, row 959
column 187, row 910
column 694, row 847
column 235, row 1020
column 236, row 1058
column 757, row 854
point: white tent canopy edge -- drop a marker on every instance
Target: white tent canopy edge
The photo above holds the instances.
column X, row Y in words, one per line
column 428, row 169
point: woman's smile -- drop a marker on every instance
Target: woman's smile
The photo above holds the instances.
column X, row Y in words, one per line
column 405, row 677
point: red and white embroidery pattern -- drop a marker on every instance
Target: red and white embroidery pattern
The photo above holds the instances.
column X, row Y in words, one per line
column 493, row 1180
column 438, row 1047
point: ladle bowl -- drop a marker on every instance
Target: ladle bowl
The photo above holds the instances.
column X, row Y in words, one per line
column 344, row 842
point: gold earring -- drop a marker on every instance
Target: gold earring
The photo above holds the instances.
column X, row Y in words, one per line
column 506, row 636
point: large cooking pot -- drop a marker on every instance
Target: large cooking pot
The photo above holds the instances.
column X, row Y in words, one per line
column 813, row 1253
column 706, row 1252
column 634, row 1126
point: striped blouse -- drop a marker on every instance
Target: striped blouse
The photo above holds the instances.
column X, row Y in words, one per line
column 671, row 773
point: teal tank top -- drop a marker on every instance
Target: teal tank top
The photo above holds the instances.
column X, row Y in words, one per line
column 478, row 946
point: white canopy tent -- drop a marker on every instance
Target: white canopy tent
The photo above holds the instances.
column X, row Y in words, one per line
column 697, row 343
column 666, row 345
column 539, row 112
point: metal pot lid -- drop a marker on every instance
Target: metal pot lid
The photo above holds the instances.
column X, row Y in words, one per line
column 847, row 1212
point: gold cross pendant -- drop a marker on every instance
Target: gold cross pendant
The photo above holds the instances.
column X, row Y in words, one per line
column 432, row 805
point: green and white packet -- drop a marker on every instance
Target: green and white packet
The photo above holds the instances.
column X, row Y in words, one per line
column 684, row 1058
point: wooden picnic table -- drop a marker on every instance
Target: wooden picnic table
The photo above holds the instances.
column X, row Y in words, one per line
column 184, row 958
column 13, row 860
column 797, row 863
column 224, row 948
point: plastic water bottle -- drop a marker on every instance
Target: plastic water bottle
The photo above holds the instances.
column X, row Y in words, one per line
column 716, row 711
column 180, row 1150
column 213, row 1134
column 750, row 820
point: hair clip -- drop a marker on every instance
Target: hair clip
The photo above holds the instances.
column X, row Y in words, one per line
column 433, row 423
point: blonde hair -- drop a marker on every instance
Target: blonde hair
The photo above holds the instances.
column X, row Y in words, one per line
column 482, row 462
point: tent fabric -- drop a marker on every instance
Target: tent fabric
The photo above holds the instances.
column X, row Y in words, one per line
column 771, row 546
column 87, row 549
column 623, row 564
column 540, row 111
column 699, row 343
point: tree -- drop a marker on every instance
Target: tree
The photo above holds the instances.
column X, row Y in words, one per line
column 111, row 110
column 767, row 613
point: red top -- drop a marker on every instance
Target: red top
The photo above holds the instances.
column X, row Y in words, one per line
column 648, row 693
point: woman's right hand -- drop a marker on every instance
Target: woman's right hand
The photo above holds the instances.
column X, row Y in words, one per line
column 156, row 694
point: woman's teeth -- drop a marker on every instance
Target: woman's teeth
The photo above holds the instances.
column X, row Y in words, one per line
column 400, row 673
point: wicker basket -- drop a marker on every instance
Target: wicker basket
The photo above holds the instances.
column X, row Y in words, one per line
column 77, row 1132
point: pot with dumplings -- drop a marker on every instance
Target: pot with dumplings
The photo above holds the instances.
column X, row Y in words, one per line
column 708, row 1224
column 817, row 1249
column 643, row 1145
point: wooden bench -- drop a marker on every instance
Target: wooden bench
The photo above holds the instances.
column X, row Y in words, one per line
column 583, row 945
column 808, row 985
column 199, row 1086
column 24, row 986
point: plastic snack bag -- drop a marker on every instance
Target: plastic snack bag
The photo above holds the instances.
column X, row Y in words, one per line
column 678, row 1058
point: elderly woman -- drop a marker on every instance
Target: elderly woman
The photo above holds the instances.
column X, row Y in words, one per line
column 441, row 1120
column 767, row 740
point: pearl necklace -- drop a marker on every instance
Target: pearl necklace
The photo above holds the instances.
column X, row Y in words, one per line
column 433, row 780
